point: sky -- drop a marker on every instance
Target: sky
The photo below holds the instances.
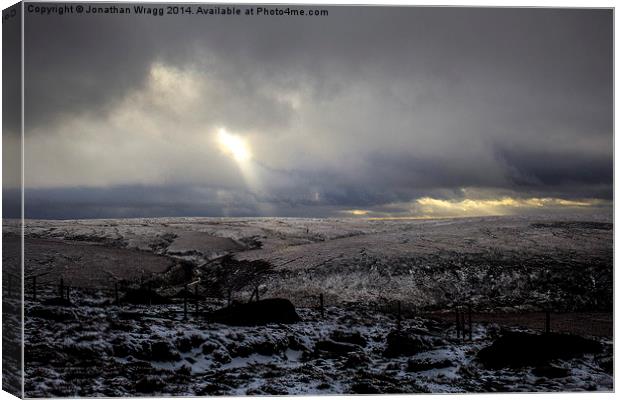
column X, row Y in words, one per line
column 388, row 112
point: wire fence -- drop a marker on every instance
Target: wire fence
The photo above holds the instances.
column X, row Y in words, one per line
column 189, row 301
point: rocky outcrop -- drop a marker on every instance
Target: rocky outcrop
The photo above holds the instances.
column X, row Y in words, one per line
column 519, row 349
column 257, row 313
column 405, row 343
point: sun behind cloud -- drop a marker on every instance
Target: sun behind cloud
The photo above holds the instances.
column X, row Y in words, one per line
column 233, row 145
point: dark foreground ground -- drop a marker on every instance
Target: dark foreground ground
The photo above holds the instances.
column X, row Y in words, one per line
column 508, row 270
column 109, row 350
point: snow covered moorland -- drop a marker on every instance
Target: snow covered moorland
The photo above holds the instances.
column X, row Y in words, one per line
column 137, row 314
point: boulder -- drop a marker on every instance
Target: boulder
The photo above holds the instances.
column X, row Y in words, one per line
column 425, row 365
column 208, row 347
column 271, row 346
column 185, row 344
column 549, row 371
column 149, row 384
column 294, row 343
column 349, row 337
column 332, row 348
column 221, row 356
column 162, row 351
column 364, row 387
column 257, row 313
column 404, row 343
column 519, row 349
column 356, row 360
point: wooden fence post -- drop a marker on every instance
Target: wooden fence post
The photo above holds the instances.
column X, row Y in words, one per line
column 469, row 321
column 196, row 298
column 185, row 303
column 458, row 323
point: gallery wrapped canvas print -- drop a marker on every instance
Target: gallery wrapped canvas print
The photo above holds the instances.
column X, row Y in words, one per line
column 285, row 199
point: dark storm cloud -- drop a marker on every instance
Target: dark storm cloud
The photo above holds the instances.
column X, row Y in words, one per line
column 138, row 201
column 11, row 69
column 361, row 109
column 156, row 201
column 93, row 59
column 544, row 168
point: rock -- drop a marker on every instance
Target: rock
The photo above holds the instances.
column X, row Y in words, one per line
column 270, row 347
column 392, row 367
column 519, row 349
column 150, row 384
column 208, row 347
column 425, row 365
column 266, row 346
column 336, row 348
column 419, row 331
column 549, row 371
column 184, row 370
column 356, row 360
column 239, row 349
column 196, row 340
column 161, row 351
column 185, row 344
column 221, row 356
column 296, row 344
column 121, row 350
column 402, row 343
column 349, row 337
column 257, row 313
column 364, row 388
